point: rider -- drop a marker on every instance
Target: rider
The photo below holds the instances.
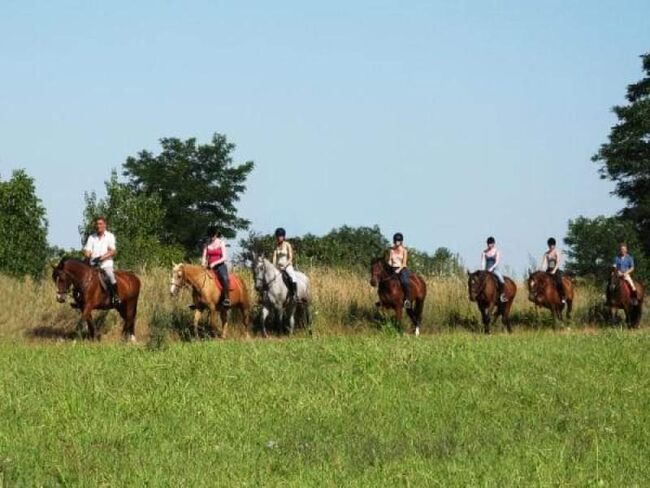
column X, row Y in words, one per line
column 490, row 259
column 283, row 260
column 624, row 264
column 100, row 250
column 397, row 258
column 551, row 264
column 214, row 258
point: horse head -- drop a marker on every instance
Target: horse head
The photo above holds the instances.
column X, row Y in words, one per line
column 65, row 274
column 475, row 284
column 378, row 271
column 614, row 280
column 259, row 272
column 533, row 286
column 178, row 278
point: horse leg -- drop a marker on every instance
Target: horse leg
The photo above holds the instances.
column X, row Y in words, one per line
column 399, row 311
column 127, row 312
column 195, row 323
column 246, row 320
column 569, row 309
column 87, row 316
column 485, row 317
column 505, row 316
column 265, row 316
column 223, row 313
column 308, row 318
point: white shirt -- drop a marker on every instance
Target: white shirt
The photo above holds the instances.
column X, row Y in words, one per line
column 98, row 246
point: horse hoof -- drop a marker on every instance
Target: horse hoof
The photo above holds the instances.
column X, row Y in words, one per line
column 417, row 332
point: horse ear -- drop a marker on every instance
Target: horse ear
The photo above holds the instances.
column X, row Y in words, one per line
column 53, row 266
column 468, row 273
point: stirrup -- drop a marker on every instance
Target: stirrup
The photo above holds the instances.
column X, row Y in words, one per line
column 226, row 302
column 407, row 304
column 503, row 298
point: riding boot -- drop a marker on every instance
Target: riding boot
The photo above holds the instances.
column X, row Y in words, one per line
column 225, row 299
column 293, row 291
column 115, row 298
column 635, row 298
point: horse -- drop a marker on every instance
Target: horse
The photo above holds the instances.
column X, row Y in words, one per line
column 89, row 293
column 543, row 292
column 619, row 295
column 274, row 294
column 206, row 294
column 484, row 291
column 391, row 294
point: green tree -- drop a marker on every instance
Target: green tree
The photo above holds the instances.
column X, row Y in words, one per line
column 137, row 221
column 23, row 227
column 625, row 159
column 593, row 243
column 197, row 185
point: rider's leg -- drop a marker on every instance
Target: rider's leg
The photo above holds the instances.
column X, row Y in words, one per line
column 404, row 278
column 501, row 282
column 559, row 283
column 222, row 273
column 291, row 272
column 112, row 285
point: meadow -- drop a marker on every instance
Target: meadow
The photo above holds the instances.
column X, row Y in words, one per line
column 356, row 404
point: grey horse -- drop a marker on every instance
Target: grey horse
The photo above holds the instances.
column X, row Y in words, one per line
column 274, row 294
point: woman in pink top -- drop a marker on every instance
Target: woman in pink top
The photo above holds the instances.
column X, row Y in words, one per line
column 214, row 257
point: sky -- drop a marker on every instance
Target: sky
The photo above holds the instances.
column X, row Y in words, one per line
column 447, row 121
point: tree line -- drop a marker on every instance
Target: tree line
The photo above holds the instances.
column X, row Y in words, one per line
column 160, row 205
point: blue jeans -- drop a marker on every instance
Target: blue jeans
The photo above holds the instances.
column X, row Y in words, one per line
column 404, row 278
column 222, row 273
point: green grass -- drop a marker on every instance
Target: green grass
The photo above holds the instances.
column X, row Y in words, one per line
column 447, row 410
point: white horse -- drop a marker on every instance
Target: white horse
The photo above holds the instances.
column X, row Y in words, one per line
column 274, row 294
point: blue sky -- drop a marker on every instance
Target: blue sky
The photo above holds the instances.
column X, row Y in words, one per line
column 448, row 121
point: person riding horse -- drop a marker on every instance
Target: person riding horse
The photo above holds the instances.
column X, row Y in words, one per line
column 551, row 262
column 100, row 250
column 624, row 264
column 490, row 260
column 397, row 259
column 214, row 258
column 283, row 260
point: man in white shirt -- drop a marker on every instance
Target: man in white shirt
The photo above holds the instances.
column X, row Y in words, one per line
column 100, row 250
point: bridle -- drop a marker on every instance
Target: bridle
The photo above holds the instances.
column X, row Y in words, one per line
column 184, row 282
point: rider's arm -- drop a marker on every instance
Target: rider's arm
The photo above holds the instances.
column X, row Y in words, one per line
column 406, row 258
column 483, row 260
column 111, row 249
column 88, row 248
column 558, row 261
column 204, row 257
column 275, row 257
column 289, row 254
column 496, row 262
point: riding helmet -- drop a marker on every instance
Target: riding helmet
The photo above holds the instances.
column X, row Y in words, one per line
column 398, row 237
column 280, row 232
column 491, row 240
column 551, row 241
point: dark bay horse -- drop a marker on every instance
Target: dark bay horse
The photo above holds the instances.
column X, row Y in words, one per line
column 89, row 293
column 543, row 292
column 484, row 291
column 391, row 295
column 619, row 295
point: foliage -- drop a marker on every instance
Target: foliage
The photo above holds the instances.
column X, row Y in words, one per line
column 195, row 186
column 625, row 159
column 23, row 227
column 351, row 248
column 593, row 244
column 137, row 221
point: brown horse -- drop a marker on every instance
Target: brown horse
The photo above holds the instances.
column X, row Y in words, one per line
column 206, row 294
column 484, row 291
column 619, row 295
column 89, row 293
column 391, row 294
column 543, row 292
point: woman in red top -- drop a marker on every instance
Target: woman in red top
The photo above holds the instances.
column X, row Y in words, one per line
column 214, row 257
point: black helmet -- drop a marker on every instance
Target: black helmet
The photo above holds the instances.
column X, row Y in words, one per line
column 280, row 232
column 551, row 241
column 398, row 237
column 491, row 240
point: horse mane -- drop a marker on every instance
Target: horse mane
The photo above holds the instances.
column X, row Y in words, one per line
column 70, row 259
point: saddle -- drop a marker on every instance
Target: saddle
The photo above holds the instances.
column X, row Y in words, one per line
column 232, row 279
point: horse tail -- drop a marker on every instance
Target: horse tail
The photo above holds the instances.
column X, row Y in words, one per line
column 635, row 314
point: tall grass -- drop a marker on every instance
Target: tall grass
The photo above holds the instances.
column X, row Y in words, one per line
column 343, row 303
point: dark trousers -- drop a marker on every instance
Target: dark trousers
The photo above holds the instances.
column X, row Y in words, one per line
column 559, row 284
column 404, row 278
column 222, row 273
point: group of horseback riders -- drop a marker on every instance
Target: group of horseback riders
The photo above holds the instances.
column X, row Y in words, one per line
column 100, row 250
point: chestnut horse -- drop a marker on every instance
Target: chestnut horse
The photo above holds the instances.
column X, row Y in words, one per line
column 619, row 295
column 391, row 294
column 543, row 292
column 206, row 294
column 90, row 294
column 484, row 291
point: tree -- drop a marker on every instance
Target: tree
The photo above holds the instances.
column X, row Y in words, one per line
column 137, row 221
column 23, row 227
column 593, row 243
column 196, row 185
column 625, row 159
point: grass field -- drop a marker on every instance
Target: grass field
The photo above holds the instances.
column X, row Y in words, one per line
column 355, row 405
column 542, row 408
